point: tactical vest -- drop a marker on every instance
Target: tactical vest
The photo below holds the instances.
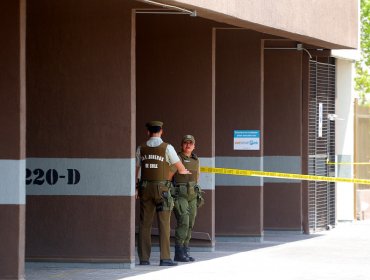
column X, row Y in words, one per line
column 154, row 166
column 192, row 164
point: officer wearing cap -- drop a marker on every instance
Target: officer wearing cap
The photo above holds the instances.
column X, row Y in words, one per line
column 188, row 197
column 153, row 159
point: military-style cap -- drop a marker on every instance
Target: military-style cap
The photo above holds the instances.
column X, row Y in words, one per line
column 188, row 138
column 154, row 123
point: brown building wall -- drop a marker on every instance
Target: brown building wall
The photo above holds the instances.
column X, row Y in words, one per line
column 174, row 85
column 12, row 139
column 12, row 80
column 282, row 133
column 238, row 211
column 79, row 79
column 174, row 78
column 282, row 204
column 238, row 106
column 80, row 105
column 282, row 102
column 238, row 87
column 12, row 231
column 79, row 229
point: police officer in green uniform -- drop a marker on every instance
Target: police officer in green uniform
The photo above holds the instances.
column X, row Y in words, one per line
column 153, row 159
column 188, row 197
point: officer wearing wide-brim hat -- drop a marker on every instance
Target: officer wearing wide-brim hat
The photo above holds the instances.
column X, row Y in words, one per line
column 153, row 159
column 188, row 197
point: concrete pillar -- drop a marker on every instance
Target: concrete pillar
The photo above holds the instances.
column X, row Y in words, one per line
column 305, row 123
column 81, row 132
column 239, row 106
column 12, row 135
column 174, row 84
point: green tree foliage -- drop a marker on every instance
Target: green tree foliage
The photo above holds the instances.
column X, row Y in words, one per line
column 362, row 79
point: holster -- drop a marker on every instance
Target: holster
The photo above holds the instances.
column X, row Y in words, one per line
column 199, row 195
column 167, row 202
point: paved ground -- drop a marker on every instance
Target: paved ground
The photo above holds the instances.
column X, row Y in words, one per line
column 341, row 253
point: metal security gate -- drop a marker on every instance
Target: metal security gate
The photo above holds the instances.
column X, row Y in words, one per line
column 321, row 145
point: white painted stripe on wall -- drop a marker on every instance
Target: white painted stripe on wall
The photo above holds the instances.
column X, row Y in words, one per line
column 105, row 177
column 207, row 180
column 282, row 164
column 252, row 163
column 116, row 177
column 12, row 183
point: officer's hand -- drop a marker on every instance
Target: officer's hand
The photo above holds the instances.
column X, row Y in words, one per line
column 136, row 194
column 185, row 171
column 181, row 168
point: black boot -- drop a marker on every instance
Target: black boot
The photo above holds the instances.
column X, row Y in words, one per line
column 168, row 262
column 186, row 253
column 179, row 254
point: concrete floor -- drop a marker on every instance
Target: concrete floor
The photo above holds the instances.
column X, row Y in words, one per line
column 341, row 253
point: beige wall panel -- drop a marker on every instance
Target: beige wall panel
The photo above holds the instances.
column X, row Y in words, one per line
column 328, row 24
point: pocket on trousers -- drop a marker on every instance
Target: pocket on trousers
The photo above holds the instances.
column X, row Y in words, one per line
column 191, row 191
column 181, row 206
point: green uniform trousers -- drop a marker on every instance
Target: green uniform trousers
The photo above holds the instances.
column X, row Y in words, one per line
column 154, row 197
column 185, row 212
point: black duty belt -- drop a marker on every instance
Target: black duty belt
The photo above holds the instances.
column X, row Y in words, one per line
column 157, row 181
column 192, row 183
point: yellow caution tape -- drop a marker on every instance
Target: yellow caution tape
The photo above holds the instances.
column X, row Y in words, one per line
column 349, row 163
column 256, row 173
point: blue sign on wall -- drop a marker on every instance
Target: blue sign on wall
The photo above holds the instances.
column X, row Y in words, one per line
column 246, row 139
